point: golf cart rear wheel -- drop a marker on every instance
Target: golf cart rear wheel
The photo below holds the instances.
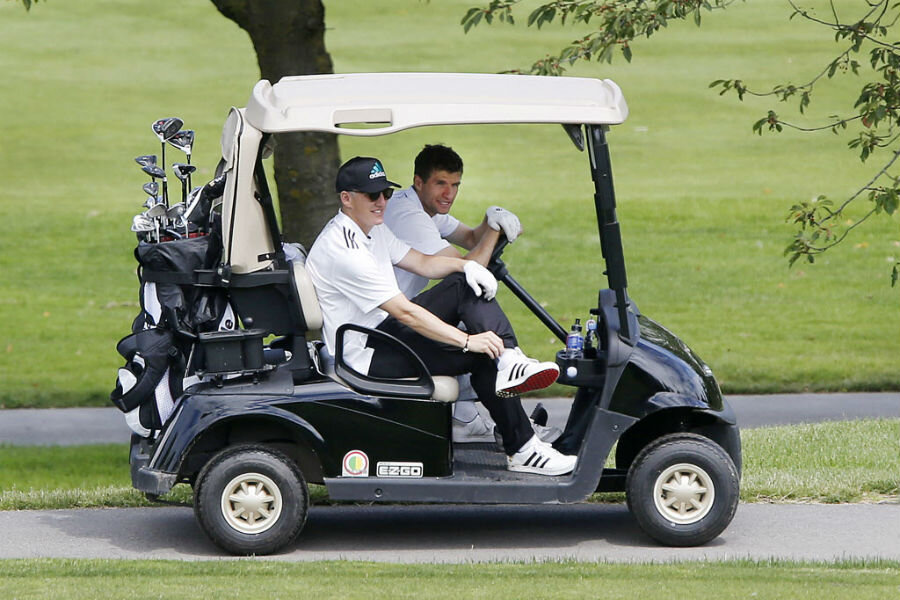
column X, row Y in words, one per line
column 683, row 489
column 251, row 500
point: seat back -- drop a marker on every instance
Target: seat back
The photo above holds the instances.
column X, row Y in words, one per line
column 306, row 294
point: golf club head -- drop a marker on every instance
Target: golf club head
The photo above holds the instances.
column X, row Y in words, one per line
column 166, row 128
column 183, row 140
column 154, row 171
column 175, row 211
column 146, row 159
column 150, row 201
column 183, row 171
column 156, row 211
column 142, row 223
column 151, row 188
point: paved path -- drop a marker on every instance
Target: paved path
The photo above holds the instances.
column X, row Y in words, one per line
column 75, row 426
column 462, row 534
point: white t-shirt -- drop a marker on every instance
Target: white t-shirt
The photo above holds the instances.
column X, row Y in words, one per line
column 353, row 275
column 409, row 222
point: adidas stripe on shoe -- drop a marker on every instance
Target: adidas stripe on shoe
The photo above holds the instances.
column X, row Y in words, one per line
column 518, row 374
column 540, row 459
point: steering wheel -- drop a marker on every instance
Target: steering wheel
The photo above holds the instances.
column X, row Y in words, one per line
column 495, row 264
column 498, row 248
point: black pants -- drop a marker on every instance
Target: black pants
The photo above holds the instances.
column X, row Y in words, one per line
column 452, row 301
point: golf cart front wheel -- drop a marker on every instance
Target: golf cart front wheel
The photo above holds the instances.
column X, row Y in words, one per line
column 251, row 500
column 683, row 489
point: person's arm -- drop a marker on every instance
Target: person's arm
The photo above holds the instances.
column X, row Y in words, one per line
column 425, row 323
column 435, row 266
column 479, row 241
column 432, row 266
column 466, row 237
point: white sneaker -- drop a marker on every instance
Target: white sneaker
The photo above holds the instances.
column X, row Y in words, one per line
column 539, row 458
column 471, row 432
column 517, row 374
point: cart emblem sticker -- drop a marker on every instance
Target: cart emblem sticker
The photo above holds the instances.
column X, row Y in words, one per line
column 355, row 464
column 377, row 171
column 399, row 469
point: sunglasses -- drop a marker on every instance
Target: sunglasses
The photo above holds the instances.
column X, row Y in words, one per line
column 373, row 196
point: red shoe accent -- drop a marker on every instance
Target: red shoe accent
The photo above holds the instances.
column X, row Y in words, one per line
column 538, row 381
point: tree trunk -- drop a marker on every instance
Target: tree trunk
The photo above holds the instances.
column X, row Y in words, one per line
column 289, row 39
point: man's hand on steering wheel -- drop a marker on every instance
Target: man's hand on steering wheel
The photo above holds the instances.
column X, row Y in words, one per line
column 500, row 219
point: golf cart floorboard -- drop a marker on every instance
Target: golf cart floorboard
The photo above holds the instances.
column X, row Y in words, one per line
column 485, row 461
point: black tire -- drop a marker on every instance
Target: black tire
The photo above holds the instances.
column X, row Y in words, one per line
column 683, row 489
column 264, row 478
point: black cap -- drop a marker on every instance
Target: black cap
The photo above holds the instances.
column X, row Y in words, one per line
column 362, row 174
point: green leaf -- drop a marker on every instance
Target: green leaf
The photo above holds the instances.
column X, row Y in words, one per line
column 758, row 126
column 891, row 202
column 468, row 20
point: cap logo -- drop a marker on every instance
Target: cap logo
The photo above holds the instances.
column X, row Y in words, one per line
column 377, row 171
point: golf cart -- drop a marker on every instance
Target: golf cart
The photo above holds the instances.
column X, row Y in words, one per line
column 252, row 422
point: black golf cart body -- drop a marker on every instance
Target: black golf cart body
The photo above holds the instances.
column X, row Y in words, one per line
column 377, row 440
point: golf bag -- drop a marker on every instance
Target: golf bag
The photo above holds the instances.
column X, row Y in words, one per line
column 161, row 353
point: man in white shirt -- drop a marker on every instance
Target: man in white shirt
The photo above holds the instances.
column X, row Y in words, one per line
column 351, row 267
column 420, row 216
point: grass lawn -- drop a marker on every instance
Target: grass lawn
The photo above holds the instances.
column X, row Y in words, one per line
column 701, row 200
column 92, row 579
column 828, row 462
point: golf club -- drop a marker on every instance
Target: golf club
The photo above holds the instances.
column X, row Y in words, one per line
column 146, row 159
column 156, row 172
column 143, row 226
column 184, row 141
column 156, row 212
column 151, row 188
column 183, row 172
column 175, row 214
column 164, row 129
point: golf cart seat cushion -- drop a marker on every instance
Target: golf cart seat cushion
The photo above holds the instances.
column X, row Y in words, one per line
column 309, row 303
column 446, row 389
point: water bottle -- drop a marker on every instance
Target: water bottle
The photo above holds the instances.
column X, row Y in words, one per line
column 590, row 338
column 575, row 341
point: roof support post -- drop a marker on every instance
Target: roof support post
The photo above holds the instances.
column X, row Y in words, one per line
column 610, row 234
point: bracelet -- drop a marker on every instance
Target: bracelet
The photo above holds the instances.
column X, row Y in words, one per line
column 465, row 348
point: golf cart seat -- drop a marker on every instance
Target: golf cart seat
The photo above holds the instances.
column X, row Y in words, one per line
column 446, row 389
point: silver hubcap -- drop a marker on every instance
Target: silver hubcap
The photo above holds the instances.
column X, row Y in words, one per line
column 684, row 493
column 251, row 503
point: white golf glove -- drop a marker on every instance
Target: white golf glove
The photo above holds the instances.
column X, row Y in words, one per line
column 478, row 277
column 501, row 219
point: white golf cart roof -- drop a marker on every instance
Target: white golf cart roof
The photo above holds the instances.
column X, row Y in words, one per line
column 370, row 104
column 397, row 101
